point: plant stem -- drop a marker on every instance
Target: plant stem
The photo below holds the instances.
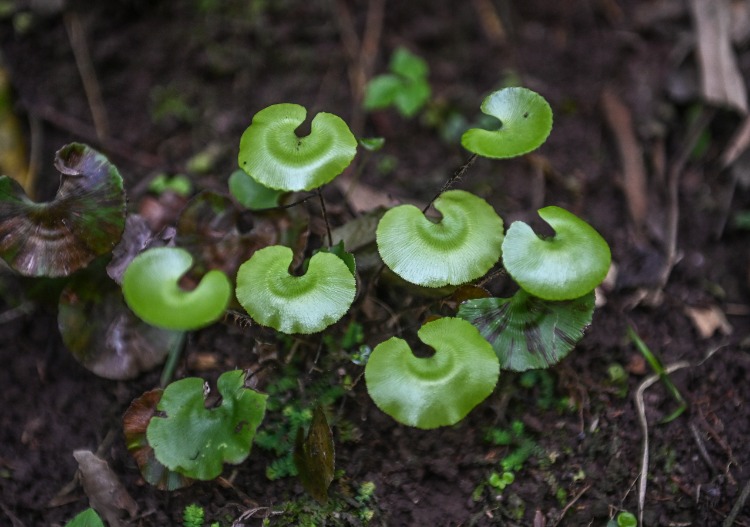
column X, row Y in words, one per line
column 455, row 178
column 172, row 359
column 325, row 217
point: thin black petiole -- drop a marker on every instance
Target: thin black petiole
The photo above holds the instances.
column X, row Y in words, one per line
column 325, row 216
column 455, row 178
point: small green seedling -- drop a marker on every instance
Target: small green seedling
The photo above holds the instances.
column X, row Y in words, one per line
column 193, row 516
column 428, row 392
column 657, row 366
column 151, row 289
column 406, row 88
column 196, row 441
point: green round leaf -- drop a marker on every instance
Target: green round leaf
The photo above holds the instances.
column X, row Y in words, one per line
column 526, row 121
column 459, row 248
column 563, row 267
column 435, row 391
column 275, row 156
column 251, row 194
column 85, row 220
column 151, row 289
column 196, row 441
column 295, row 304
column 527, row 332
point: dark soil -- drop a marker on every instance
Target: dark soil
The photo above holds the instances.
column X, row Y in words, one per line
column 225, row 65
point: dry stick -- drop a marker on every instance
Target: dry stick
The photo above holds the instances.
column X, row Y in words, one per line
column 737, row 506
column 570, row 504
column 455, row 178
column 85, row 66
column 641, row 406
column 673, row 184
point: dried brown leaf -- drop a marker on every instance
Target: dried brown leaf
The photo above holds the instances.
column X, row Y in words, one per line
column 721, row 80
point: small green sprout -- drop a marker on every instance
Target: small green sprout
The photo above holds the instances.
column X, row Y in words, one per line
column 525, row 122
column 433, row 391
column 501, row 481
column 180, row 184
column 624, row 519
column 193, row 516
column 462, row 246
column 196, row 441
column 295, row 304
column 85, row 220
column 275, row 156
column 151, row 289
column 566, row 266
column 406, row 87
column 658, row 367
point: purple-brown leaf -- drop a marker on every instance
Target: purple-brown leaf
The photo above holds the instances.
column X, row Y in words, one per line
column 85, row 220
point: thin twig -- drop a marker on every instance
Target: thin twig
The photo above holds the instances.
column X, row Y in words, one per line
column 702, row 448
column 641, row 406
column 571, row 503
column 85, row 66
column 738, row 506
column 673, row 187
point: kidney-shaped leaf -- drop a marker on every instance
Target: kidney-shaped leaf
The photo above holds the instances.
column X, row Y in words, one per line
column 104, row 335
column 196, row 441
column 151, row 289
column 564, row 267
column 462, row 246
column 275, row 156
column 527, row 332
column 85, row 220
column 525, row 122
column 438, row 390
column 295, row 304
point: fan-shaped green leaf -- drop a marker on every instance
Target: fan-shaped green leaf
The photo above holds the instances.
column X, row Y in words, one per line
column 85, row 220
column 196, row 441
column 151, row 289
column 527, row 332
column 563, row 267
column 275, row 156
column 459, row 248
column 295, row 304
column 438, row 390
column 526, row 121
